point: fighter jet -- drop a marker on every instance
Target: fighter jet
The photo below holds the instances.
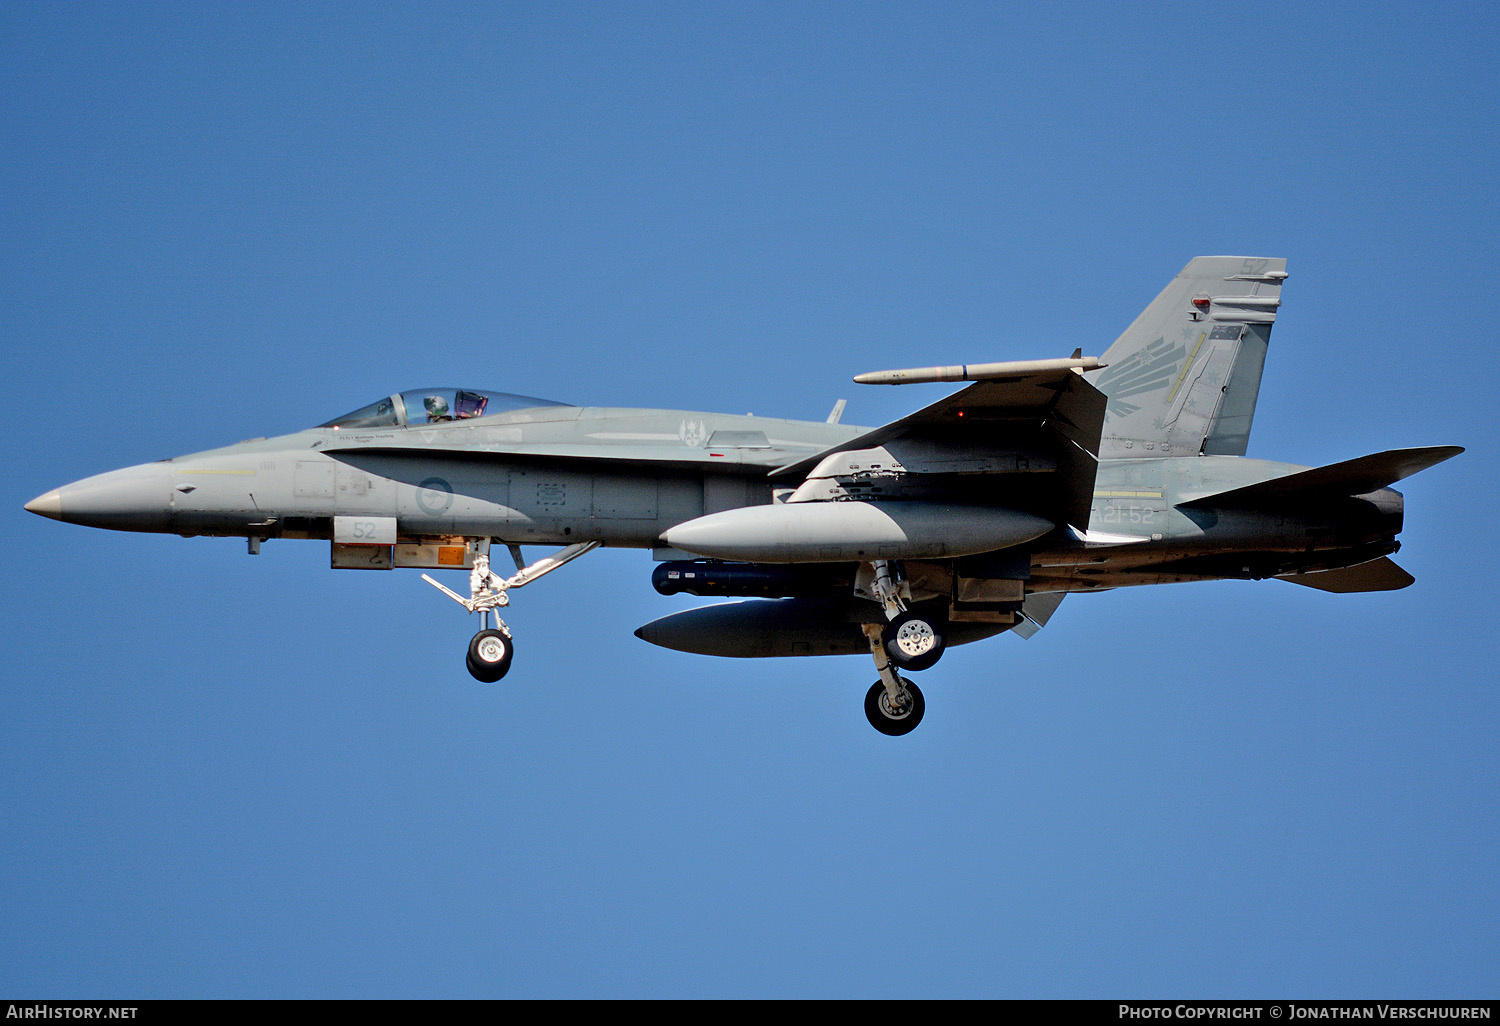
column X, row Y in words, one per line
column 975, row 515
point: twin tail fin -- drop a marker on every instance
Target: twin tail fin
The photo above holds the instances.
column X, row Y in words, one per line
column 1183, row 379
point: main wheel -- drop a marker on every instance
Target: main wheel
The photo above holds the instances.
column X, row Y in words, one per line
column 898, row 720
column 914, row 641
column 489, row 655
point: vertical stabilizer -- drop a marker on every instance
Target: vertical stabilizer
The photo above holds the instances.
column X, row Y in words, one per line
column 1183, row 379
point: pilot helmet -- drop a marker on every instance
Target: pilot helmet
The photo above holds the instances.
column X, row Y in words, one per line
column 436, row 405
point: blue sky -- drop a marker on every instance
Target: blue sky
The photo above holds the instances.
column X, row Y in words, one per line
column 225, row 776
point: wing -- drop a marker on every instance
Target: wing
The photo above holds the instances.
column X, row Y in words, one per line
column 1024, row 440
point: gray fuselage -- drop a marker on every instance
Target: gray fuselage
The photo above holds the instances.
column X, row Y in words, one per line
column 623, row 477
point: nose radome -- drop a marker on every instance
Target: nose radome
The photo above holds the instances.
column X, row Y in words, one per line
column 49, row 505
column 131, row 499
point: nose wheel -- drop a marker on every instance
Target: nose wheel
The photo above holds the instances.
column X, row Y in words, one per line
column 489, row 656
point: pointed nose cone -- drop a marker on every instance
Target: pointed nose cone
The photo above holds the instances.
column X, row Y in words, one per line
column 132, row 499
column 49, row 505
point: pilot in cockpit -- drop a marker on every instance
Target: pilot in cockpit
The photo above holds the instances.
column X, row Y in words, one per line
column 437, row 409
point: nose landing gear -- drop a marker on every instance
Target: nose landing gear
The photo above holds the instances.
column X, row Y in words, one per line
column 491, row 649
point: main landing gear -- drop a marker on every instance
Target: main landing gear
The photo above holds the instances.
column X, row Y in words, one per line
column 491, row 649
column 893, row 705
column 909, row 640
column 914, row 641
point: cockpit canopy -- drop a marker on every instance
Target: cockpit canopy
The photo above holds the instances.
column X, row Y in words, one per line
column 434, row 406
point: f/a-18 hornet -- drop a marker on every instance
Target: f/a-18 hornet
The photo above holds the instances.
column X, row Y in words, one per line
column 973, row 516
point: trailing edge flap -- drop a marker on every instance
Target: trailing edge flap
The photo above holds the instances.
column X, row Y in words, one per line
column 1351, row 477
column 1055, row 413
column 1377, row 575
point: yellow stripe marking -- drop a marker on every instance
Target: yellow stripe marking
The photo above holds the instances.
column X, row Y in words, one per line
column 1193, row 356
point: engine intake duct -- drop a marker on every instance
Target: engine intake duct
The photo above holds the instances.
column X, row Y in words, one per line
column 750, row 580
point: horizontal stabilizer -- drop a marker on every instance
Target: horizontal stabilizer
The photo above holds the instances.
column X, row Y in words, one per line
column 1351, row 477
column 1377, row 575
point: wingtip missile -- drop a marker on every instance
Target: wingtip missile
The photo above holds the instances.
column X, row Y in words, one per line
column 977, row 371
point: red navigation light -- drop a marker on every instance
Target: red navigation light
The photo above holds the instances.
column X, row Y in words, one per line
column 1202, row 302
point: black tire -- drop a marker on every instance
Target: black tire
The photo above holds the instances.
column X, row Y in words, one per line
column 914, row 641
column 879, row 713
column 480, row 673
column 489, row 656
